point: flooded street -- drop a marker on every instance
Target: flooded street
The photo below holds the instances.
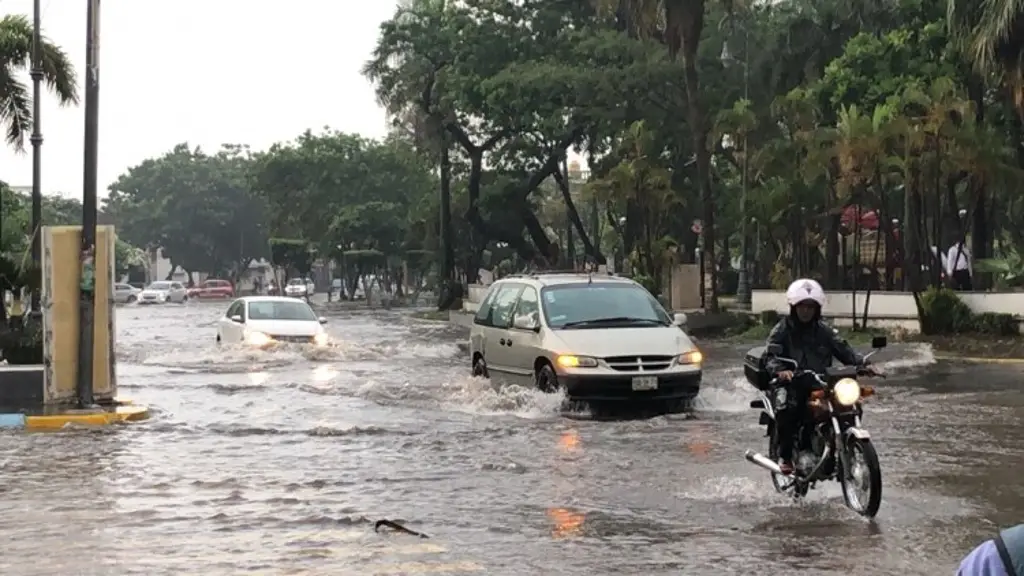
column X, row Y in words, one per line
column 279, row 463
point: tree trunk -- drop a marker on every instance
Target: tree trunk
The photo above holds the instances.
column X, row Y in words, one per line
column 685, row 19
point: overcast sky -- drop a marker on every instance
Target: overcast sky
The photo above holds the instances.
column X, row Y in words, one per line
column 207, row 72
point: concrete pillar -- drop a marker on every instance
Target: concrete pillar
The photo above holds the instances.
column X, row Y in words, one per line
column 60, row 297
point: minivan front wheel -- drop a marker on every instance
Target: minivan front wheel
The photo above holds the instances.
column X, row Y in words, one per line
column 547, row 380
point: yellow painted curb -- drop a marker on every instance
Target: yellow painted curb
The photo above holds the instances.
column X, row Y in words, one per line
column 980, row 360
column 124, row 413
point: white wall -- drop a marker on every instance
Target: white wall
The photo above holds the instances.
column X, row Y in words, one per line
column 889, row 308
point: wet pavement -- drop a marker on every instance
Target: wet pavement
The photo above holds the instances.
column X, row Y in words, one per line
column 279, row 462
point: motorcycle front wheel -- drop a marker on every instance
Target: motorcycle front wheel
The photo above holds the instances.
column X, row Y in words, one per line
column 862, row 478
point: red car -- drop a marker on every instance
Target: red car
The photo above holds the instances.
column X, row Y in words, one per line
column 212, row 289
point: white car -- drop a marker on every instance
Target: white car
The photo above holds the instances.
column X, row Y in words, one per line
column 125, row 293
column 163, row 292
column 299, row 287
column 260, row 321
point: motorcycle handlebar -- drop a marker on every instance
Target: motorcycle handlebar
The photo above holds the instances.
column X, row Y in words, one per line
column 861, row 371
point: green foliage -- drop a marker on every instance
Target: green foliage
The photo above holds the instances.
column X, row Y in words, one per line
column 1008, row 270
column 291, row 254
column 16, row 34
column 943, row 312
column 197, row 207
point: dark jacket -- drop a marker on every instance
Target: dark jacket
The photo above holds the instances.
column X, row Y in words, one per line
column 812, row 346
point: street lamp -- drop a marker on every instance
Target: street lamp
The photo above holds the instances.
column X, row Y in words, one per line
column 37, row 144
column 743, row 282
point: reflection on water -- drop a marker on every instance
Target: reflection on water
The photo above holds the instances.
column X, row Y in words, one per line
column 324, row 373
column 566, row 523
column 569, row 441
column 259, row 378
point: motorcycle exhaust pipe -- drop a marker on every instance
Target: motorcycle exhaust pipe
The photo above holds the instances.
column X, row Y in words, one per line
column 755, row 458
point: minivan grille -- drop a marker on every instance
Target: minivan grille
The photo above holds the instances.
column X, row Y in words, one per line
column 639, row 363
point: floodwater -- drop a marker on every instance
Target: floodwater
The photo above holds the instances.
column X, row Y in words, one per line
column 279, row 463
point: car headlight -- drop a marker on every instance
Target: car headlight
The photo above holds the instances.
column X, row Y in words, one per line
column 320, row 339
column 691, row 357
column 571, row 361
column 258, row 339
column 846, row 391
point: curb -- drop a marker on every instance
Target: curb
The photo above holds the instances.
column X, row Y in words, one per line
column 126, row 412
column 980, row 360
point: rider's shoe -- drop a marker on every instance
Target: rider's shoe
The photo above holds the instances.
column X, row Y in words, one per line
column 787, row 467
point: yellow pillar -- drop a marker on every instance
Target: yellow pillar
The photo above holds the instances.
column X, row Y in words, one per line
column 61, row 248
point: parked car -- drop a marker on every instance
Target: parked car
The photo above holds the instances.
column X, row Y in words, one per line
column 599, row 338
column 209, row 289
column 260, row 321
column 162, row 292
column 125, row 293
column 299, row 288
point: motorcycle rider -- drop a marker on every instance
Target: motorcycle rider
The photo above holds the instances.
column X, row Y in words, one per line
column 805, row 338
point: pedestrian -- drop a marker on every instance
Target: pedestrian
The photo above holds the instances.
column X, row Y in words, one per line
column 999, row 556
column 958, row 266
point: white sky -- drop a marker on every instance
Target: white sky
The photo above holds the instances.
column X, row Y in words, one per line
column 207, row 72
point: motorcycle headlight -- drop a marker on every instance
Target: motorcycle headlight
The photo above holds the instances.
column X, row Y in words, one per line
column 257, row 339
column 846, row 391
column 320, row 339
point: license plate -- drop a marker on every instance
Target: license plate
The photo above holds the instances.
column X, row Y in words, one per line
column 645, row 383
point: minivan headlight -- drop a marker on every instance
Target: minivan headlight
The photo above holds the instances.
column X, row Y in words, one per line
column 573, row 361
column 692, row 357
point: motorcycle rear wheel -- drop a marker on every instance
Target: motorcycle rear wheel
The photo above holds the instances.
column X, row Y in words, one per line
column 870, row 478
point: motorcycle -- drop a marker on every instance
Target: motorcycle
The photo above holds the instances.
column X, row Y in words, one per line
column 830, row 443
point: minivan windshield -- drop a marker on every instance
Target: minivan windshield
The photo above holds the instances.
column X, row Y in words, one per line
column 601, row 305
column 279, row 310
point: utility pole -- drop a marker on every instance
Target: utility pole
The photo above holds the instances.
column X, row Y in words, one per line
column 743, row 282
column 37, row 145
column 87, row 303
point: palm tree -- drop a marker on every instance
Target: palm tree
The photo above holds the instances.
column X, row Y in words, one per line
column 15, row 56
column 680, row 23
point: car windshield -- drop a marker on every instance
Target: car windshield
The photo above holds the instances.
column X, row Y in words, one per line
column 601, row 305
column 296, row 282
column 278, row 310
column 159, row 286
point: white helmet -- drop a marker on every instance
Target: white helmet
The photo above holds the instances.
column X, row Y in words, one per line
column 803, row 290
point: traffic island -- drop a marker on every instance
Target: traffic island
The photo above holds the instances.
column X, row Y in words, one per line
column 45, row 397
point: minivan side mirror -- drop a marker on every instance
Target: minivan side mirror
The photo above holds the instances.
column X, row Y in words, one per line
column 879, row 342
column 679, row 319
column 322, row 320
column 526, row 322
column 236, row 318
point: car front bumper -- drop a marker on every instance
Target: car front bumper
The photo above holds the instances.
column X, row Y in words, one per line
column 672, row 385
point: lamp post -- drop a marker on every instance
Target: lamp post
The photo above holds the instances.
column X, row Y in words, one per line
column 87, row 303
column 37, row 144
column 743, row 282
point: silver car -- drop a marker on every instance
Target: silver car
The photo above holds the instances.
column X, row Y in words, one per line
column 600, row 338
column 125, row 293
column 162, row 292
